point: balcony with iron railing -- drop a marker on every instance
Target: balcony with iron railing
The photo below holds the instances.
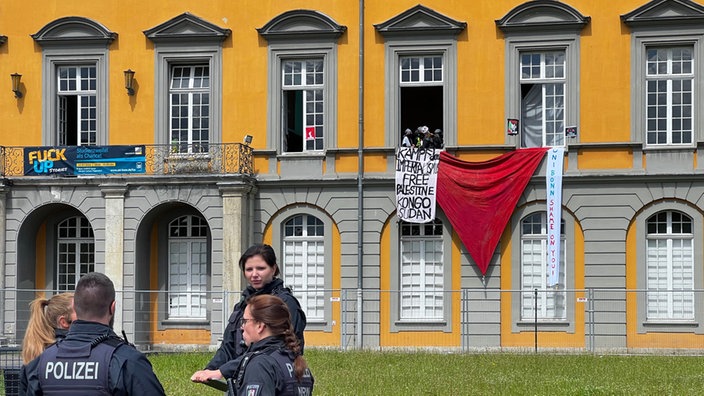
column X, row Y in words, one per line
column 162, row 159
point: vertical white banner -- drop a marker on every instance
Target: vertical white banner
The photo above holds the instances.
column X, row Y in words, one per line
column 416, row 183
column 553, row 183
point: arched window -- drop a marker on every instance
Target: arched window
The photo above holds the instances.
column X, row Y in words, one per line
column 75, row 251
column 188, row 267
column 303, row 262
column 670, row 266
column 422, row 285
column 550, row 302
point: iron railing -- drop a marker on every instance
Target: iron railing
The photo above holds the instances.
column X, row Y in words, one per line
column 164, row 159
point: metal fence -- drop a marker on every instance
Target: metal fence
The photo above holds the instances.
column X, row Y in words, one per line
column 467, row 320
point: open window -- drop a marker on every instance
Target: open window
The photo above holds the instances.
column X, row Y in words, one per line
column 421, row 73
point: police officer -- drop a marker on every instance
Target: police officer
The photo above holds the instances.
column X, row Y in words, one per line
column 273, row 364
column 92, row 359
column 258, row 264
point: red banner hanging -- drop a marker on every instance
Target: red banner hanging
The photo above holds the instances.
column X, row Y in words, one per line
column 479, row 197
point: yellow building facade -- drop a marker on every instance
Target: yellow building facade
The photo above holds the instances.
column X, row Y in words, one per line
column 323, row 91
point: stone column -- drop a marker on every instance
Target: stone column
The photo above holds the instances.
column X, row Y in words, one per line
column 236, row 230
column 114, row 243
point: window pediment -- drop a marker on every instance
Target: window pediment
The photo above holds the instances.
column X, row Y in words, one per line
column 420, row 19
column 542, row 14
column 74, row 30
column 665, row 12
column 299, row 24
column 186, row 27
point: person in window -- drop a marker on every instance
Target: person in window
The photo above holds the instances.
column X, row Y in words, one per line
column 428, row 139
column 258, row 263
column 272, row 364
column 49, row 321
column 438, row 138
column 407, row 137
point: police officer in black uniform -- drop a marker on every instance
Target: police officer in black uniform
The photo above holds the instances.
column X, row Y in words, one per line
column 273, row 364
column 258, row 263
column 92, row 359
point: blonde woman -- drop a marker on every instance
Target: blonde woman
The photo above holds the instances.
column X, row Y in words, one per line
column 49, row 321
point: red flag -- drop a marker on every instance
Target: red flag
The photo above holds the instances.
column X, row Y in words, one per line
column 310, row 133
column 479, row 197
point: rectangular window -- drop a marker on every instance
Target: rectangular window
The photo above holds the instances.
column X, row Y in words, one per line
column 77, row 105
column 549, row 302
column 189, row 103
column 303, row 110
column 421, row 85
column 669, row 93
column 422, row 273
column 543, row 79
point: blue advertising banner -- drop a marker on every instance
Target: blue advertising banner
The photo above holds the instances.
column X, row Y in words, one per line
column 83, row 160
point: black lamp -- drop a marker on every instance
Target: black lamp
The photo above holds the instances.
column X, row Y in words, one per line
column 129, row 81
column 16, row 78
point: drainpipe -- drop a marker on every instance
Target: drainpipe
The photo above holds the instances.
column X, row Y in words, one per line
column 360, row 175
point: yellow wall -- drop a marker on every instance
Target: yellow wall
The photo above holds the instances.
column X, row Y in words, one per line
column 606, row 159
column 604, row 91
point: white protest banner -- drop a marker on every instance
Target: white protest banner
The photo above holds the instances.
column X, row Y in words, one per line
column 416, row 180
column 553, row 183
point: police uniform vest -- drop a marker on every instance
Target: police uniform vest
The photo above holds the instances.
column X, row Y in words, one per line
column 77, row 370
column 292, row 387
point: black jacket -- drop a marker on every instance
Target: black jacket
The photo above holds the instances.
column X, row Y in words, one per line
column 130, row 371
column 232, row 343
column 265, row 370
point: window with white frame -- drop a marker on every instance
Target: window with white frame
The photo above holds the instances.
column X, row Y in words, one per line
column 543, row 82
column 669, row 95
column 189, row 103
column 303, row 123
column 75, row 81
column 302, row 79
column 550, row 303
column 420, row 70
column 543, row 71
column 421, row 285
column 665, row 72
column 188, row 267
column 421, row 83
column 304, row 262
column 76, row 101
column 670, row 267
column 75, row 251
column 187, row 83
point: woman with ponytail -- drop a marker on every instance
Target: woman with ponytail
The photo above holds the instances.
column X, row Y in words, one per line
column 259, row 267
column 273, row 364
column 49, row 321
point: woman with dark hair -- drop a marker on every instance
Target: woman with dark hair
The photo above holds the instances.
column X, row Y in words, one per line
column 49, row 321
column 273, row 364
column 258, row 264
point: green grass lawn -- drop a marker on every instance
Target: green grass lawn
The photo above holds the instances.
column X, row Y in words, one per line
column 385, row 373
